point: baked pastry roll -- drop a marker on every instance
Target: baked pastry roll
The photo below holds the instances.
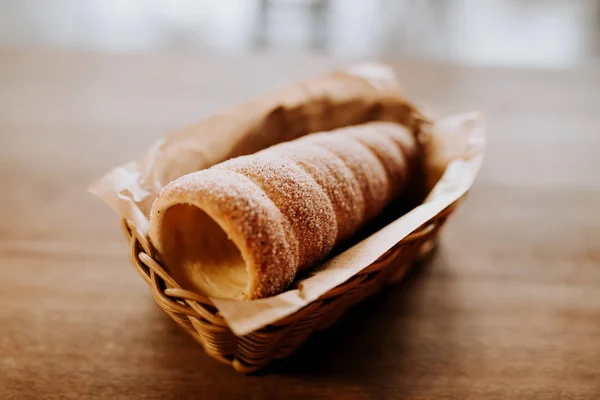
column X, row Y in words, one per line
column 245, row 227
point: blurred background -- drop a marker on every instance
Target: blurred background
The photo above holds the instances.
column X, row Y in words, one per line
column 521, row 33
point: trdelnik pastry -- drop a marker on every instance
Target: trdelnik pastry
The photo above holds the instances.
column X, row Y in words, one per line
column 245, row 227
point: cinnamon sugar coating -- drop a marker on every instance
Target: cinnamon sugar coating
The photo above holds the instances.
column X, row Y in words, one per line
column 251, row 223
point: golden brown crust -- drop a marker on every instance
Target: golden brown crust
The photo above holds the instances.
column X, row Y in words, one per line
column 299, row 198
column 389, row 154
column 335, row 178
column 365, row 166
column 284, row 208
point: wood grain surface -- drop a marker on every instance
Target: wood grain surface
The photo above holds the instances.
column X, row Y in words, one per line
column 508, row 307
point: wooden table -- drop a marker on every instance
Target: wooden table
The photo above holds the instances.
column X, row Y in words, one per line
column 509, row 307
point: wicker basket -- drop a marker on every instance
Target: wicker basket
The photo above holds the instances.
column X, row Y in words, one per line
column 197, row 315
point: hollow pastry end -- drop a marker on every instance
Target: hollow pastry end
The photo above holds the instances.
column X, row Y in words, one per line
column 213, row 240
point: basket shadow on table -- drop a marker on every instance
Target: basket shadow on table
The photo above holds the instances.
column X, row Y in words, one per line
column 372, row 336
